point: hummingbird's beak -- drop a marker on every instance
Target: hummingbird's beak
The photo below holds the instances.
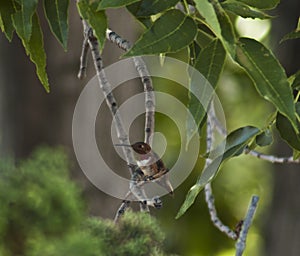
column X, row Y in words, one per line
column 122, row 145
column 166, row 184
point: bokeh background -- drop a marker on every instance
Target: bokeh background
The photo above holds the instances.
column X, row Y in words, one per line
column 29, row 117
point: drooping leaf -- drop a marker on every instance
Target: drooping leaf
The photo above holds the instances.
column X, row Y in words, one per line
column 203, row 38
column 6, row 11
column 227, row 32
column 104, row 4
column 207, row 11
column 292, row 35
column 268, row 76
column 189, row 200
column 211, row 60
column 296, row 82
column 236, row 142
column 146, row 22
column 57, row 16
column 264, row 139
column 270, row 4
column 169, row 33
column 182, row 55
column 22, row 19
column 286, row 130
column 35, row 49
column 150, row 7
column 219, row 23
column 210, row 64
column 243, row 10
column 96, row 19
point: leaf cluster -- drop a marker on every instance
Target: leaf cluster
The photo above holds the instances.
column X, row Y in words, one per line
column 205, row 29
column 21, row 16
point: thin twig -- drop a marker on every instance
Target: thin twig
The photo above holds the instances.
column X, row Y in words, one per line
column 270, row 158
column 83, row 58
column 241, row 243
column 149, row 103
column 107, row 91
column 241, row 235
column 147, row 82
column 112, row 104
column 210, row 200
column 209, row 197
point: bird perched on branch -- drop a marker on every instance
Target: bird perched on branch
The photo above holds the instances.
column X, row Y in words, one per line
column 151, row 167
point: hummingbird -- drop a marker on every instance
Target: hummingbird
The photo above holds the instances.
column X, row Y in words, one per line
column 150, row 164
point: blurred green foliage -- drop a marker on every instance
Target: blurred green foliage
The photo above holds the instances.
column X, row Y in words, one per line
column 42, row 213
column 37, row 199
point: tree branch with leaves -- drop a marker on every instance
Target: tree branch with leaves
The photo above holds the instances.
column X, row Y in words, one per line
column 206, row 29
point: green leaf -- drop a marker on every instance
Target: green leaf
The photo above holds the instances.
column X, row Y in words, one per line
column 219, row 22
column 296, row 81
column 259, row 4
column 22, row 19
column 292, row 35
column 286, row 130
column 96, row 19
column 210, row 64
column 203, row 38
column 189, row 200
column 296, row 154
column 35, row 49
column 146, row 22
column 104, row 4
column 243, row 10
column 207, row 11
column 150, row 7
column 227, row 32
column 211, row 60
column 236, row 142
column 264, row 139
column 57, row 15
column 169, row 33
column 6, row 11
column 268, row 76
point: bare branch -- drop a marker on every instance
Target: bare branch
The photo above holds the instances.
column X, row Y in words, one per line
column 146, row 80
column 209, row 197
column 272, row 159
column 83, row 59
column 149, row 107
column 241, row 243
column 210, row 200
column 241, row 235
column 107, row 91
column 112, row 104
